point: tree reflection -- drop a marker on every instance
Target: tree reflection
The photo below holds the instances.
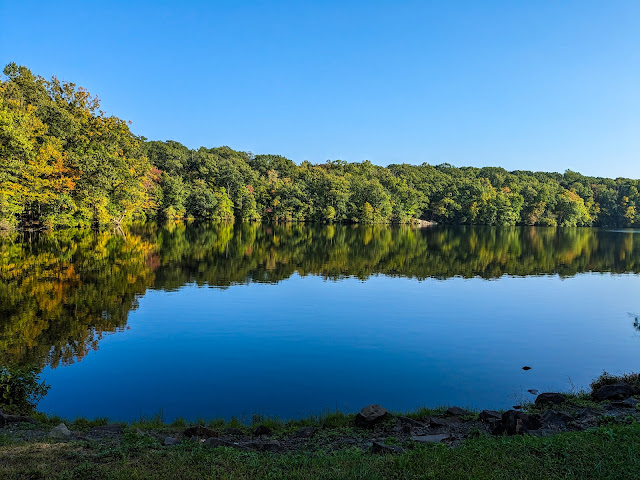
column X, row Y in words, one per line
column 61, row 291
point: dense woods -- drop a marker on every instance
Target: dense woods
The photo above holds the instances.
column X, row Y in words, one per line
column 64, row 162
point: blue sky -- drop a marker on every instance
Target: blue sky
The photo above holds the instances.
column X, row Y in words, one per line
column 535, row 85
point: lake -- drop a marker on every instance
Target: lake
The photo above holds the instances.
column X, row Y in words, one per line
column 210, row 321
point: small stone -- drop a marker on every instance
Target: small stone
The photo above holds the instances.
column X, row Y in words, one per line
column 262, row 430
column 457, row 411
column 381, row 448
column 370, row 415
column 549, row 397
column 305, row 432
column 429, row 438
column 61, row 431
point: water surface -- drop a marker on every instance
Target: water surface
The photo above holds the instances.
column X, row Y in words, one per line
column 222, row 320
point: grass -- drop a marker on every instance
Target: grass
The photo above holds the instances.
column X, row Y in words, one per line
column 610, row 451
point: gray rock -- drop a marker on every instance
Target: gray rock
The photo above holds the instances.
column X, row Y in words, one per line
column 489, row 416
column 170, row 441
column 381, row 448
column 550, row 398
column 444, row 422
column 5, row 419
column 61, row 432
column 267, row 445
column 305, row 432
column 370, row 415
column 551, row 417
column 617, row 391
column 517, row 423
column 430, row 438
column 457, row 411
column 218, row 442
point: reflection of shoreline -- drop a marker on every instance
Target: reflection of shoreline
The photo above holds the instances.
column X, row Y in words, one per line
column 61, row 291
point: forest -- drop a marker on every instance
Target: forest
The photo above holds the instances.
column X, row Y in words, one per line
column 66, row 163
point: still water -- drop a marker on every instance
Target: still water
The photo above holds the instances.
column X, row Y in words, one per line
column 204, row 321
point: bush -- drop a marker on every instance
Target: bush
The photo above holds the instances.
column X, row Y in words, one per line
column 20, row 389
column 632, row 379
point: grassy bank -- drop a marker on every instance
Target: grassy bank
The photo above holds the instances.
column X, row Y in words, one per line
column 609, row 451
column 581, row 437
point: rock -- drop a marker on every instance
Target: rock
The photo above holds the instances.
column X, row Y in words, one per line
column 265, row 445
column 489, row 416
column 457, row 411
column 525, row 368
column 547, row 398
column 370, row 415
column 61, row 432
column 617, row 391
column 218, row 442
column 551, row 417
column 517, row 423
column 411, row 421
column 5, row 419
column 305, row 432
column 200, row 431
column 170, row 441
column 262, row 430
column 381, row 448
column 430, row 438
column 444, row 422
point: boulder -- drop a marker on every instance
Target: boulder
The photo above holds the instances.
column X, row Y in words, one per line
column 558, row 419
column 457, row 411
column 489, row 416
column 200, row 432
column 305, row 432
column 61, row 432
column 617, row 391
column 430, row 438
column 517, row 423
column 381, row 448
column 370, row 415
column 550, row 398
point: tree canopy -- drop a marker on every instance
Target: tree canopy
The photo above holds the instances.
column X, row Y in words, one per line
column 65, row 162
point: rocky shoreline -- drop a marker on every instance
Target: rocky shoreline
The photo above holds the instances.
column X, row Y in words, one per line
column 373, row 429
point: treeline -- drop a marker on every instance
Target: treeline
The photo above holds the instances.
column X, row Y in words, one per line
column 62, row 290
column 66, row 163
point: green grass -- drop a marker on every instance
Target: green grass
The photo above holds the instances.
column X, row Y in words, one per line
column 608, row 452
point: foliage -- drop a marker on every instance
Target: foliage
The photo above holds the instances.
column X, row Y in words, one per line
column 64, row 162
column 20, row 389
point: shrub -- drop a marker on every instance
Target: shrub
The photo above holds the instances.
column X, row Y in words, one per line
column 20, row 389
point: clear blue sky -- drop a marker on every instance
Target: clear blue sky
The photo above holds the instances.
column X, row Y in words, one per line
column 535, row 85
